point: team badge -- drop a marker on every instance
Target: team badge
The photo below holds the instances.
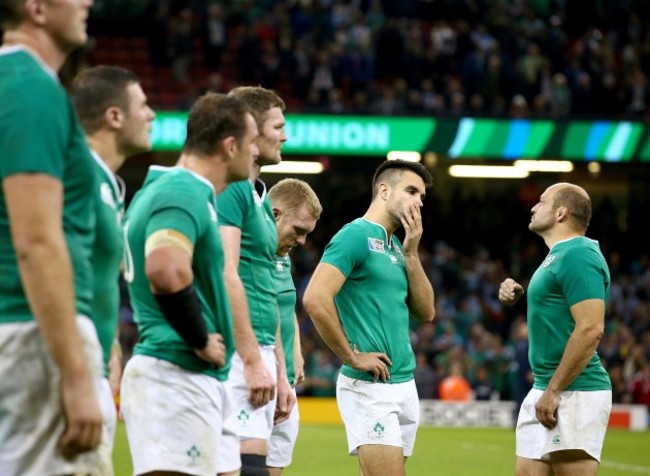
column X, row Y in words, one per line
column 376, row 245
column 548, row 261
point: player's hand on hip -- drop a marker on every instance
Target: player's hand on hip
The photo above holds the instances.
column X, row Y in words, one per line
column 214, row 351
column 412, row 223
column 260, row 383
column 374, row 362
column 510, row 291
column 546, row 409
column 83, row 417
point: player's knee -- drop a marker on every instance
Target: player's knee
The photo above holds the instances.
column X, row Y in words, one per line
column 253, row 465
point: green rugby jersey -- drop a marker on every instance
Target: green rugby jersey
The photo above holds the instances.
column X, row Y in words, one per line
column 107, row 255
column 40, row 133
column 287, row 307
column 240, row 205
column 181, row 200
column 574, row 270
column 372, row 302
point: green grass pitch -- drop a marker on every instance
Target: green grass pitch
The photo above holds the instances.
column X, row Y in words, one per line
column 321, row 450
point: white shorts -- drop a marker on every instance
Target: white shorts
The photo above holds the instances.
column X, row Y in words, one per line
column 378, row 413
column 173, row 417
column 246, row 421
column 31, row 415
column 582, row 423
column 107, row 404
column 283, row 439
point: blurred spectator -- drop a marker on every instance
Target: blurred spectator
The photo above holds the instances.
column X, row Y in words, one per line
column 640, row 386
column 426, row 379
column 455, row 387
column 482, row 388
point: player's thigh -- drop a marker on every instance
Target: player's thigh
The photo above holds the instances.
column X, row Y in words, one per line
column 573, row 463
column 283, row 440
column 532, row 467
column 251, row 423
column 377, row 414
column 173, row 417
column 107, row 404
column 381, row 460
column 31, row 417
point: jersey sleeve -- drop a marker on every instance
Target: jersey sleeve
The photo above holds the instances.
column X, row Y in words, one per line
column 232, row 203
column 177, row 210
column 347, row 249
column 35, row 124
column 582, row 277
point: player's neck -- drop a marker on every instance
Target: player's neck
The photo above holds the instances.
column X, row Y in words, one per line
column 377, row 214
column 556, row 236
column 210, row 168
column 38, row 43
column 107, row 150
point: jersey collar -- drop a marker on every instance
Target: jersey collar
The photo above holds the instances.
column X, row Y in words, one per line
column 389, row 239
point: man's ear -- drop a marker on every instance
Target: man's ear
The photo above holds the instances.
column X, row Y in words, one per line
column 35, row 11
column 384, row 191
column 229, row 145
column 114, row 117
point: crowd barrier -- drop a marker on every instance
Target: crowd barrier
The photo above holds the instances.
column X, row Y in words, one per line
column 499, row 414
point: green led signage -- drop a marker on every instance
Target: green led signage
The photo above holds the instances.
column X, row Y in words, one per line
column 466, row 138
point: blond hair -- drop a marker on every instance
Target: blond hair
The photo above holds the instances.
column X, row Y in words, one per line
column 291, row 194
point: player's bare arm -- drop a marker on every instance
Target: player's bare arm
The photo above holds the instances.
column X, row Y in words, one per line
column 318, row 300
column 261, row 386
column 421, row 295
column 286, row 399
column 589, row 317
column 298, row 359
column 35, row 207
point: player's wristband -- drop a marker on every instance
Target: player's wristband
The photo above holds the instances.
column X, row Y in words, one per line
column 182, row 310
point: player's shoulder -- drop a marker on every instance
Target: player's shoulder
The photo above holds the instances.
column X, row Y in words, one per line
column 26, row 77
column 238, row 195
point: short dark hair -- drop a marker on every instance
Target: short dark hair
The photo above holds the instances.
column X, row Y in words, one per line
column 96, row 89
column 214, row 117
column 259, row 100
column 12, row 13
column 391, row 170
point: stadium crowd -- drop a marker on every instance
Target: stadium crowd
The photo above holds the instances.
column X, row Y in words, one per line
column 457, row 57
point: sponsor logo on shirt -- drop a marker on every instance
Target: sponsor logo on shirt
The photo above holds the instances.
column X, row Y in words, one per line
column 548, row 261
column 376, row 245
